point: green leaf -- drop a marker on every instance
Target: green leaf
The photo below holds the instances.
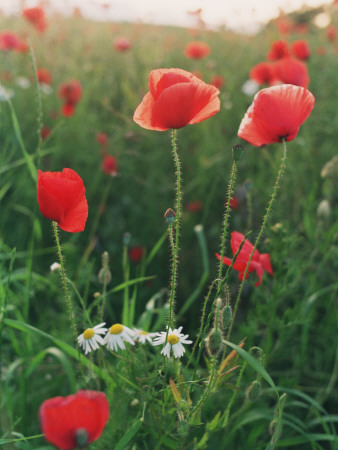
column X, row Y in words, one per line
column 127, row 437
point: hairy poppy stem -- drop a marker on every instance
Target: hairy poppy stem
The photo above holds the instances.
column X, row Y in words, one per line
column 64, row 282
column 174, row 243
column 265, row 220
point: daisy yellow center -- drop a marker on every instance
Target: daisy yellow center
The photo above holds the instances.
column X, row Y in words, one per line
column 144, row 332
column 172, row 339
column 88, row 333
column 117, row 328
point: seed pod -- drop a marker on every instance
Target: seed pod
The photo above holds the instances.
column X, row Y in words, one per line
column 226, row 316
column 214, row 342
column 237, row 151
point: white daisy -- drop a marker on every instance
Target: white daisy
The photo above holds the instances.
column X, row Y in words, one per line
column 23, row 82
column 45, row 88
column 55, row 266
column 116, row 336
column 5, row 94
column 143, row 336
column 174, row 342
column 250, row 87
column 90, row 339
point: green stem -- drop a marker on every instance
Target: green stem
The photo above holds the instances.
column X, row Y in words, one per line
column 64, row 283
column 265, row 220
column 125, row 266
column 175, row 245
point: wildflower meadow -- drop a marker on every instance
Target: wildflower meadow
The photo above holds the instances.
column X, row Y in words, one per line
column 168, row 234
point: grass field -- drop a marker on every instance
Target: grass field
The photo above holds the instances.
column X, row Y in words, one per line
column 280, row 390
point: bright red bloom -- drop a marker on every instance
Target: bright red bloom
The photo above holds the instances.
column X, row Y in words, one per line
column 259, row 263
column 196, row 50
column 102, row 139
column 44, row 76
column 263, row 73
column 70, row 91
column 74, row 421
column 11, row 41
column 292, row 71
column 276, row 113
column 36, row 16
column 278, row 50
column 176, row 98
column 136, row 253
column 68, row 110
column 109, row 165
column 234, row 203
column 61, row 197
column 217, row 81
column 122, row 44
column 300, row 49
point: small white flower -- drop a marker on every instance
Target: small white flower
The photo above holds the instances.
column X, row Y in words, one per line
column 90, row 339
column 250, row 87
column 143, row 336
column 116, row 336
column 174, row 342
column 45, row 88
column 23, row 82
column 5, row 94
column 55, row 266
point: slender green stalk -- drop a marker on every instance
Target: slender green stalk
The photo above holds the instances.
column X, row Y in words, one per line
column 38, row 105
column 64, row 282
column 265, row 220
column 126, row 271
column 175, row 244
column 226, row 413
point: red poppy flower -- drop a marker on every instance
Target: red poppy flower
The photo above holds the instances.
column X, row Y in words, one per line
column 263, row 73
column 9, row 40
column 122, row 44
column 291, row 71
column 44, row 76
column 136, row 253
column 102, row 139
column 176, row 98
column 300, row 49
column 331, row 33
column 196, row 50
column 74, row 421
column 61, row 197
column 70, row 91
column 284, row 25
column 259, row 263
column 195, row 206
column 234, row 203
column 276, row 113
column 217, row 81
column 45, row 132
column 109, row 165
column 36, row 16
column 278, row 50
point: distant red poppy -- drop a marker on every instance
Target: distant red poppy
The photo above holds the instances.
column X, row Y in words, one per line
column 195, row 206
column 284, row 25
column 71, row 93
column 331, row 33
column 74, row 421
column 259, row 263
column 10, row 41
column 263, row 73
column 122, row 44
column 278, row 50
column 276, row 113
column 61, row 198
column 218, row 81
column 300, row 49
column 45, row 132
column 109, row 165
column 36, row 16
column 234, row 203
column 196, row 50
column 301, row 28
column 176, row 98
column 44, row 76
column 136, row 253
column 102, row 139
column 292, row 71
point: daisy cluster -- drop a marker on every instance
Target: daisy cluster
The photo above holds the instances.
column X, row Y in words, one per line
column 115, row 337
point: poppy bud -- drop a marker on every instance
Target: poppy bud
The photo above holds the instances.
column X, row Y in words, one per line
column 237, row 152
column 214, row 342
column 81, row 437
column 253, row 391
column 104, row 274
column 183, row 428
column 126, row 238
column 226, row 316
column 169, row 216
column 324, row 209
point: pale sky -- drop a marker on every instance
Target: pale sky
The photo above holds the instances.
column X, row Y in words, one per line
column 235, row 14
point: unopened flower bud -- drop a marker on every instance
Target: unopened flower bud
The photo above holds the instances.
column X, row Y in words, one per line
column 324, row 209
column 105, row 259
column 81, row 437
column 253, row 391
column 237, row 152
column 104, row 275
column 248, row 185
column 214, row 342
column 226, row 316
column 126, row 238
column 169, row 216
